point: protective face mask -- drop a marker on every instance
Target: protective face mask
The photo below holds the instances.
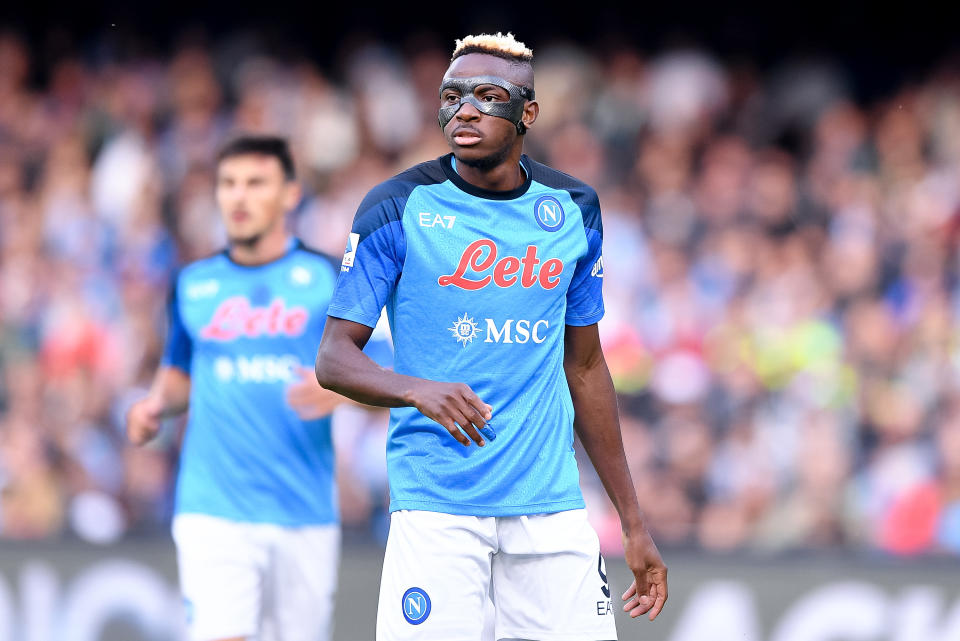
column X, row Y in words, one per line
column 511, row 110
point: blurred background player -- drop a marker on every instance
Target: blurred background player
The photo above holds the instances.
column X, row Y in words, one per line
column 489, row 265
column 256, row 523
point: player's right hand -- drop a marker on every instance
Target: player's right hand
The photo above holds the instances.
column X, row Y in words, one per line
column 143, row 420
column 455, row 406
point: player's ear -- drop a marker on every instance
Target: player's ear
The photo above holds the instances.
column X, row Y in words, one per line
column 291, row 194
column 530, row 112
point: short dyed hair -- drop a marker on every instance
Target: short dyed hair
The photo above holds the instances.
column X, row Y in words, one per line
column 500, row 45
column 261, row 145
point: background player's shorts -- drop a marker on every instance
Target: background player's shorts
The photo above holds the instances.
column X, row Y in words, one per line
column 256, row 580
column 544, row 573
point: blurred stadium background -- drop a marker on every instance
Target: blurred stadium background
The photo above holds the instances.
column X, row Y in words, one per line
column 781, row 196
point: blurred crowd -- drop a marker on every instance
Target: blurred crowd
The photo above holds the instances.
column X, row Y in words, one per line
column 781, row 275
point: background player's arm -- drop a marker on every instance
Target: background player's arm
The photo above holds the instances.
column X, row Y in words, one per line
column 308, row 399
column 169, row 395
column 344, row 368
column 598, row 426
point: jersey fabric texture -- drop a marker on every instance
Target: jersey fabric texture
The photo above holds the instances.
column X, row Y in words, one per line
column 240, row 332
column 478, row 287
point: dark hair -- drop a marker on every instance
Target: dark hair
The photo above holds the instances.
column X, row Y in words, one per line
column 263, row 145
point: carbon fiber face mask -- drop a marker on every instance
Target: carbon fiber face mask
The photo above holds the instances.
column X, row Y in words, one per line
column 511, row 110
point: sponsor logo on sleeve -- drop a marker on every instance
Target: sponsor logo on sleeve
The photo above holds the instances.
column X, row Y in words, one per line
column 350, row 253
column 597, row 269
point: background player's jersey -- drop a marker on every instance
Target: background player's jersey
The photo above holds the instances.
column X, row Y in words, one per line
column 241, row 332
column 479, row 286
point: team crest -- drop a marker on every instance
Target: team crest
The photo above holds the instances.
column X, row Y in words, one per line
column 300, row 275
column 464, row 330
column 416, row 606
column 549, row 213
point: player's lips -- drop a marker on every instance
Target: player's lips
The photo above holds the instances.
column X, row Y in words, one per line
column 465, row 137
column 239, row 216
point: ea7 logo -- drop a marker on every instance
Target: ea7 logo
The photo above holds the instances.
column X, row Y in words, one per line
column 436, row 220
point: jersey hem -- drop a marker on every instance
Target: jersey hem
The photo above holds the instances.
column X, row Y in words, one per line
column 290, row 523
column 462, row 509
column 511, row 633
column 346, row 314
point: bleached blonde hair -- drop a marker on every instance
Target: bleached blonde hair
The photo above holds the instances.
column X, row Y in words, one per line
column 500, row 45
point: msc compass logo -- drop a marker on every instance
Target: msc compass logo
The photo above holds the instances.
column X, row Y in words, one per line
column 464, row 330
column 416, row 606
column 549, row 213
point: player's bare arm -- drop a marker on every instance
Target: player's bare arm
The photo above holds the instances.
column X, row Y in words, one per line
column 169, row 395
column 598, row 425
column 344, row 368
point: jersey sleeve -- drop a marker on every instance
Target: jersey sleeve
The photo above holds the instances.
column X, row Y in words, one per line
column 373, row 258
column 585, row 297
column 179, row 348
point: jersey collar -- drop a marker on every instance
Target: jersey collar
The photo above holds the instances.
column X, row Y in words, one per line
column 293, row 244
column 446, row 162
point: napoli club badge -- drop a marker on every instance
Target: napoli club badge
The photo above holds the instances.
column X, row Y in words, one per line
column 549, row 213
column 416, row 606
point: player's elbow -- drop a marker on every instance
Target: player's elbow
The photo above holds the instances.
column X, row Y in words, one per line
column 325, row 366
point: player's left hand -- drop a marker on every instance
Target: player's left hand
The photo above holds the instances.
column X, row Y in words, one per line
column 648, row 592
column 308, row 399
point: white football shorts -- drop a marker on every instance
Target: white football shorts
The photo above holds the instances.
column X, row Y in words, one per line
column 256, row 580
column 544, row 574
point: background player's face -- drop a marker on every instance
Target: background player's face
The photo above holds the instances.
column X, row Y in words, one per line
column 477, row 139
column 253, row 195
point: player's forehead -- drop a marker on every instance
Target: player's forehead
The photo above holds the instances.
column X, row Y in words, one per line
column 250, row 163
column 482, row 64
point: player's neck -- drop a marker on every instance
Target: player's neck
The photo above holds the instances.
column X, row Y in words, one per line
column 265, row 249
column 506, row 176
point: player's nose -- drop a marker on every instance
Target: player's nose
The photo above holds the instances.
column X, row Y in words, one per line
column 468, row 112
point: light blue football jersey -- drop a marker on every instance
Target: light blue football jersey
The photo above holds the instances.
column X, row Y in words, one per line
column 478, row 287
column 240, row 332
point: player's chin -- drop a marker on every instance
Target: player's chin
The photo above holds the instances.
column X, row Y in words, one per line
column 242, row 237
column 478, row 156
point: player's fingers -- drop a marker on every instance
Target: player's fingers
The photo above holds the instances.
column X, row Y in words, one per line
column 139, row 432
column 475, row 417
column 630, row 591
column 467, row 426
column 476, row 404
column 455, row 432
column 658, row 603
column 470, row 421
column 642, row 596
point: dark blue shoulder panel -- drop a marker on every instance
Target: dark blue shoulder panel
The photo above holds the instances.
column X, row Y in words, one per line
column 385, row 202
column 582, row 194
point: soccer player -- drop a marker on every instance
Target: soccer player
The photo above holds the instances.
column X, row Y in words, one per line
column 256, row 523
column 489, row 265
